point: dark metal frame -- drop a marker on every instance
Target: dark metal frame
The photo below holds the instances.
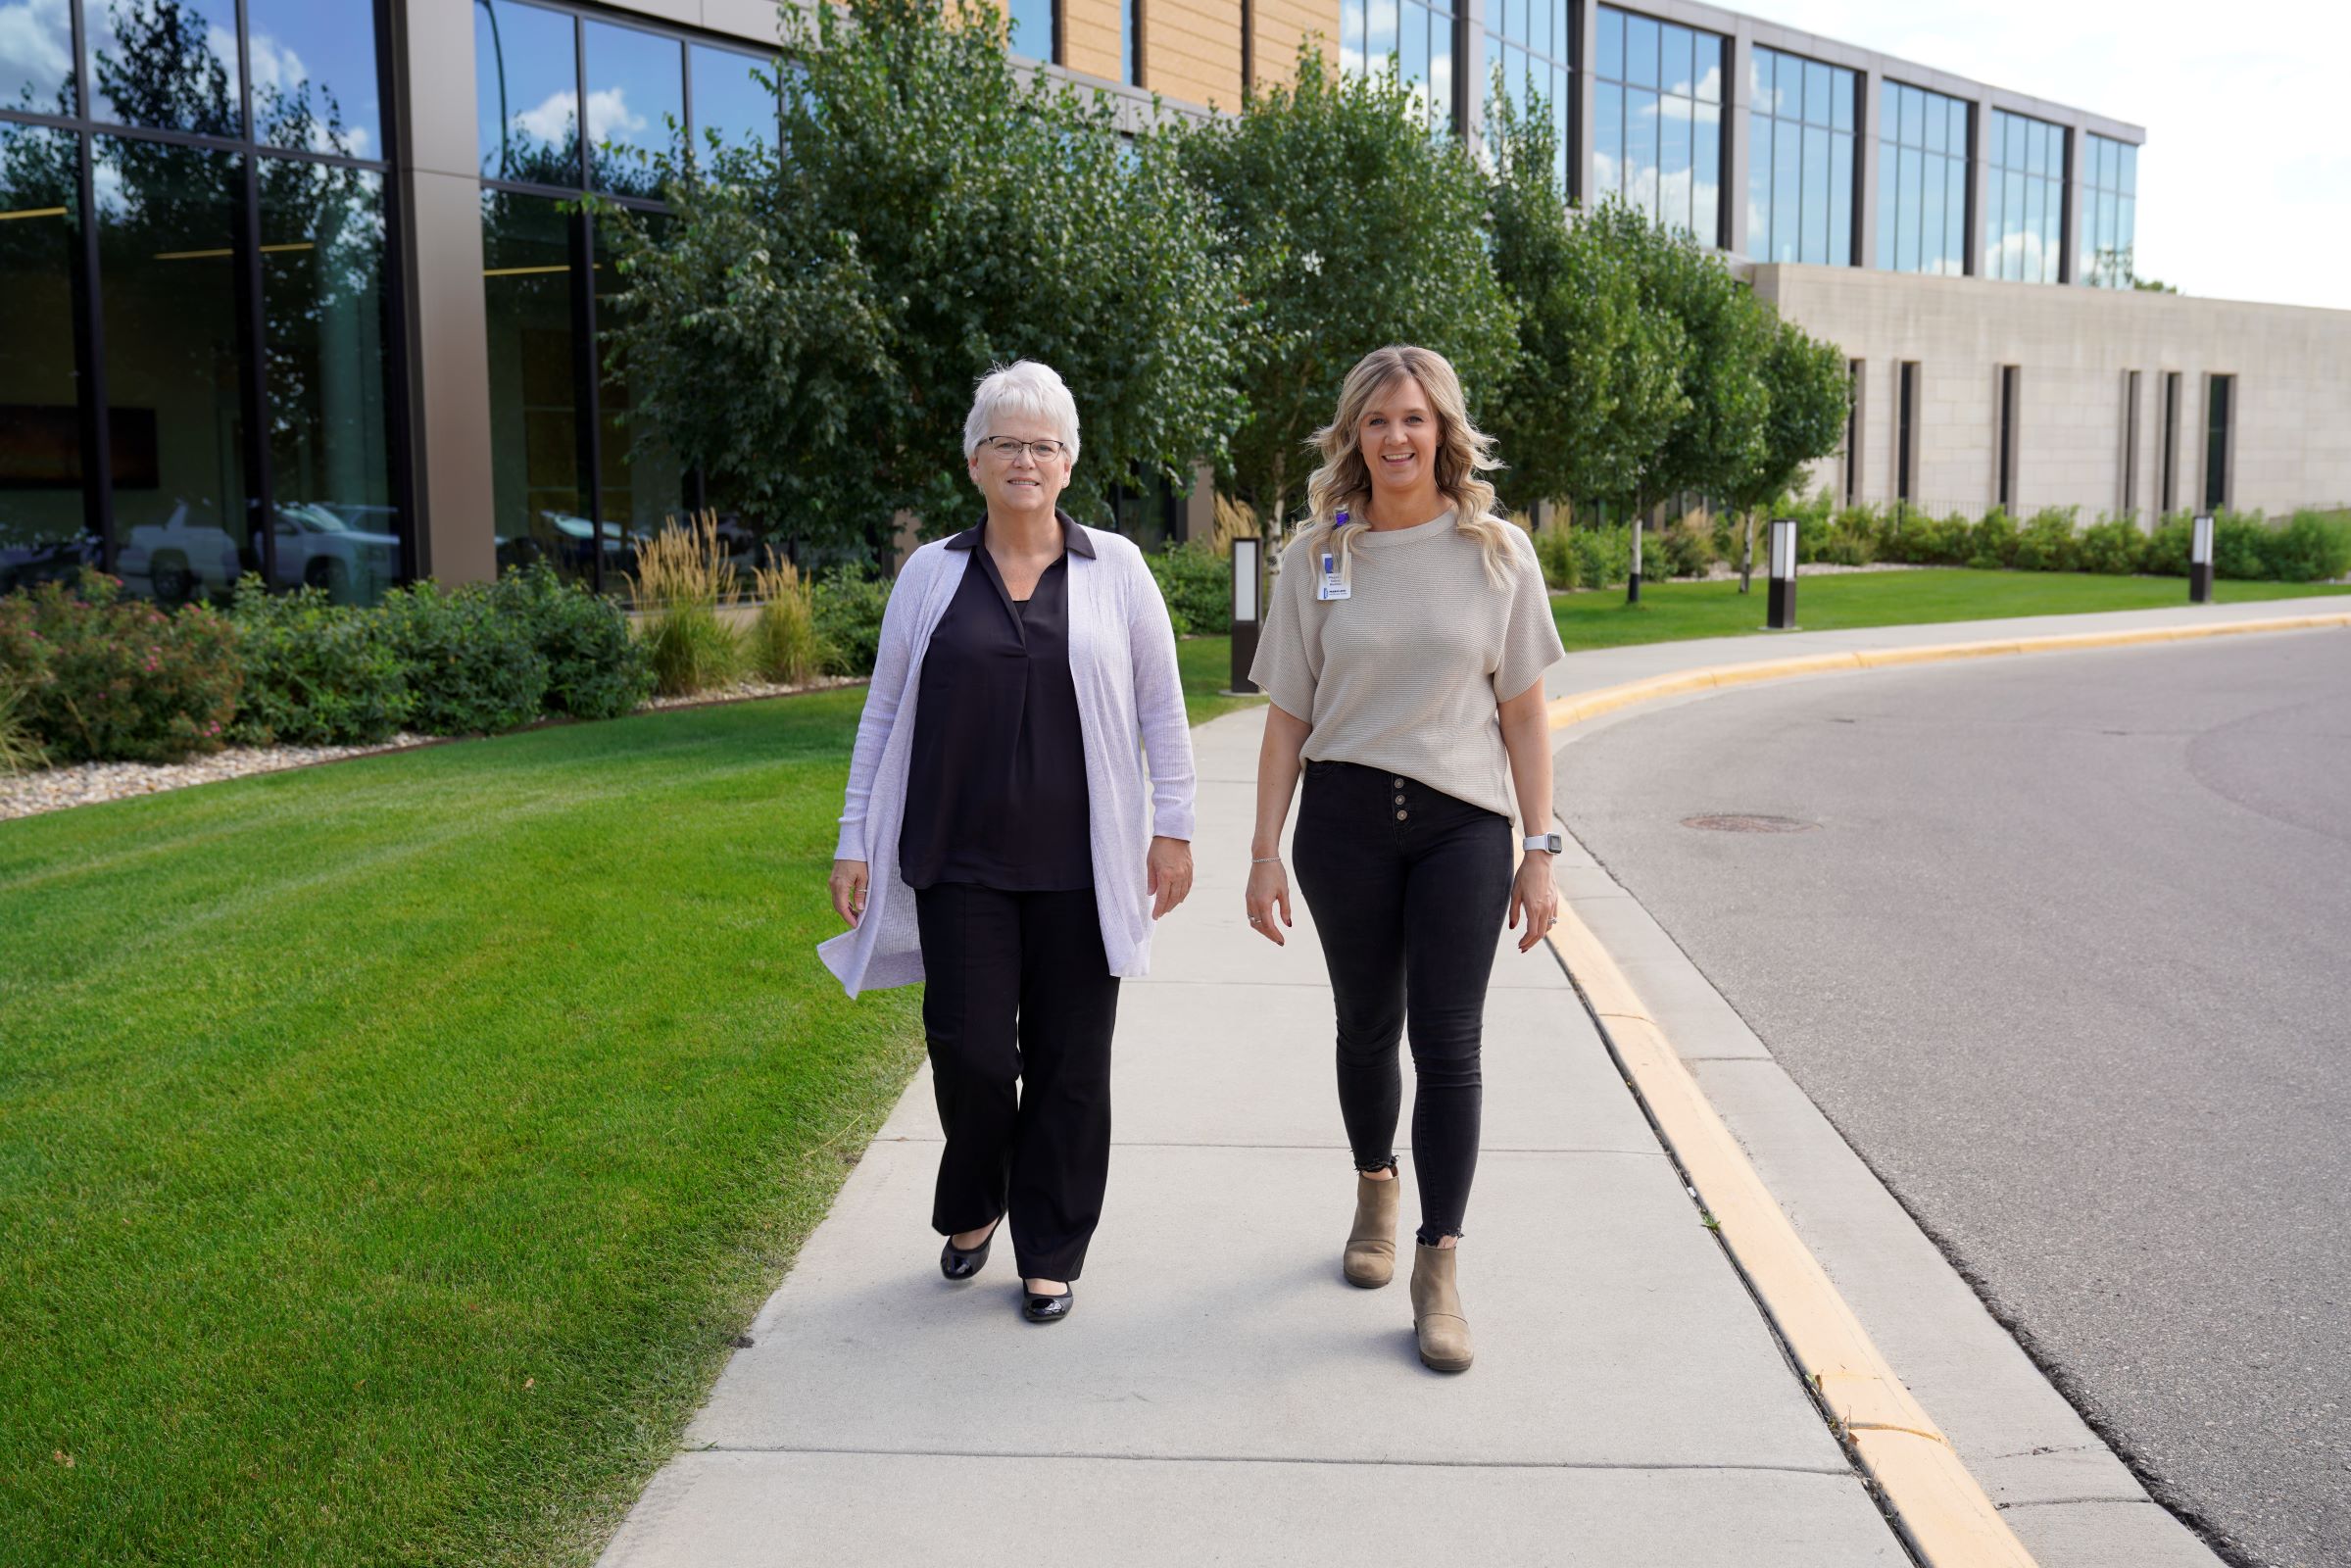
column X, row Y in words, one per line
column 89, row 325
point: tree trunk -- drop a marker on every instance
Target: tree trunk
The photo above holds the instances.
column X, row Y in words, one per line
column 1632, row 582
column 1746, row 548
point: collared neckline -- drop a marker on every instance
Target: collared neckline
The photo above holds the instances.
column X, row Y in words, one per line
column 1074, row 537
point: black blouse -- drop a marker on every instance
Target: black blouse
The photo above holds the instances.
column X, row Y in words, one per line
column 996, row 788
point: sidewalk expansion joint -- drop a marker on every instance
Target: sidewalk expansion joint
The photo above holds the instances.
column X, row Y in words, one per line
column 1626, row 1466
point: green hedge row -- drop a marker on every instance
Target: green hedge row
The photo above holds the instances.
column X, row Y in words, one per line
column 92, row 676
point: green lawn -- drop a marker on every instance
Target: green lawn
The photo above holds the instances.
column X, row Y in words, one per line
column 1206, row 665
column 1673, row 611
column 389, row 1150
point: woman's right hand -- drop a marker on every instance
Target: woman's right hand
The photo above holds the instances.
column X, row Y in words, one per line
column 1268, row 892
column 848, row 883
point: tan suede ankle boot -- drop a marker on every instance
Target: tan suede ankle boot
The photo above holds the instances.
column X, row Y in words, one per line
column 1370, row 1259
column 1437, row 1318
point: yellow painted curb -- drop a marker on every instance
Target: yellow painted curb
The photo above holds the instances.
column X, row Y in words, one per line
column 1938, row 1505
column 1566, row 711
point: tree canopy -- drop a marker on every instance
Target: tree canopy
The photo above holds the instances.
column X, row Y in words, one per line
column 811, row 325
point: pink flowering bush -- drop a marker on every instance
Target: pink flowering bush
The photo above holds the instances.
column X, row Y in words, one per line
column 112, row 679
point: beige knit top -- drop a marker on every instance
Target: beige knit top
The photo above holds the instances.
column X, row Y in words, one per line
column 1405, row 673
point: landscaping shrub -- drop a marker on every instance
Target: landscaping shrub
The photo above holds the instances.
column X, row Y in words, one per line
column 2046, row 542
column 1685, row 550
column 683, row 575
column 106, row 679
column 316, row 674
column 473, row 668
column 848, row 607
column 1197, row 588
column 2240, row 546
column 21, row 750
column 784, row 645
column 1555, row 551
column 1603, row 554
column 594, row 667
column 1923, row 539
column 2113, row 546
column 2312, row 546
column 1993, row 542
column 2165, row 553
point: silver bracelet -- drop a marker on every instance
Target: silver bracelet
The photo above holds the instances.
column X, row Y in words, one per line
column 1267, row 859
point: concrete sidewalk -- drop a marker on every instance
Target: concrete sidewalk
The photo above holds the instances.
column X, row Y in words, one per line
column 1220, row 1395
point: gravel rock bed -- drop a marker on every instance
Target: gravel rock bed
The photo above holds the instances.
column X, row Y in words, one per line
column 55, row 789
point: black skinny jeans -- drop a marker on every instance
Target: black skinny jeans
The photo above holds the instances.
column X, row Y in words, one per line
column 1408, row 886
column 1019, row 1004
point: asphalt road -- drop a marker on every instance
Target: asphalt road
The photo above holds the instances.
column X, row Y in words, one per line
column 2067, row 960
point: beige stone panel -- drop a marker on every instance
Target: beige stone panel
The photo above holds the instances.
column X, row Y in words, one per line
column 1090, row 34
column 1192, row 51
column 1280, row 26
column 2294, row 391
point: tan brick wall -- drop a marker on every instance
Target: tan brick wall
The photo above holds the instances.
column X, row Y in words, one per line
column 1281, row 23
column 1192, row 51
column 2071, row 347
column 1090, row 36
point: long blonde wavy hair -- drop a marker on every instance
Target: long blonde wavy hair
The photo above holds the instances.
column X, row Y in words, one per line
column 1343, row 483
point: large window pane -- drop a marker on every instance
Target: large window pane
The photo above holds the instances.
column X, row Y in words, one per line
column 1350, row 36
column 1608, row 139
column 642, row 482
column 528, row 94
column 729, row 97
column 1817, row 109
column 1955, row 245
column 315, row 77
column 1709, row 66
column 170, row 64
column 1379, row 40
column 1032, row 28
column 1815, row 228
column 175, row 366
column 539, row 509
column 1936, row 170
column 36, row 56
column 1706, row 194
column 1640, row 51
column 1760, row 131
column 337, row 525
column 636, row 91
column 1674, row 71
column 1610, row 45
column 1640, row 150
column 41, row 469
column 1912, row 179
column 1412, row 53
column 1673, row 162
column 1787, row 192
column 1840, row 200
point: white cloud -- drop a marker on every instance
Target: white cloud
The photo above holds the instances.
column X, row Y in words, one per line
column 36, row 45
column 552, row 121
column 2244, row 185
column 277, row 65
column 608, row 117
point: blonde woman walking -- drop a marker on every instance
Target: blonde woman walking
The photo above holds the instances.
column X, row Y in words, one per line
column 1403, row 652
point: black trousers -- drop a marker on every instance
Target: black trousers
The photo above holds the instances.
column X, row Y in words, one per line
column 1018, row 1002
column 1408, row 886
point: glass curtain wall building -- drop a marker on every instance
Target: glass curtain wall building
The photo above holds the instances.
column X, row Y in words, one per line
column 573, row 484
column 1420, row 39
column 1657, row 120
column 1923, row 170
column 1530, row 41
column 2025, row 192
column 198, row 376
column 1800, row 164
column 2109, row 212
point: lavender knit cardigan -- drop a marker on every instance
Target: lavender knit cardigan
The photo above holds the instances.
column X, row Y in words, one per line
column 1122, row 659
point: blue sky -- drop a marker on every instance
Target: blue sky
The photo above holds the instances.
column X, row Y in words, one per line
column 2245, row 179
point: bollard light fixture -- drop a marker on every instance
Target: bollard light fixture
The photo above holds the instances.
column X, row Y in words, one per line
column 1784, row 574
column 1249, row 609
column 2199, row 560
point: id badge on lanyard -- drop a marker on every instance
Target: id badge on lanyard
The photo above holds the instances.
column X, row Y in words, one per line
column 1332, row 583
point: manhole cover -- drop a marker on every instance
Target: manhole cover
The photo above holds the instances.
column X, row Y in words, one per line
column 1738, row 823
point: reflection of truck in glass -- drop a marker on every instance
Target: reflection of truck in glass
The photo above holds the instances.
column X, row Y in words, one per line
column 182, row 558
column 324, row 545
column 25, row 565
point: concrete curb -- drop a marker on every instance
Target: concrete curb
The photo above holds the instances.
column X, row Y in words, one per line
column 1566, row 711
column 1936, row 1502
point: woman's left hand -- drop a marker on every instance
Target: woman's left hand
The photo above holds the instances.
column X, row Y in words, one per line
column 1169, row 864
column 1534, row 894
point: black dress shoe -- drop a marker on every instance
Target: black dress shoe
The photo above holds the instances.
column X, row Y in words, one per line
column 1047, row 1308
column 958, row 1264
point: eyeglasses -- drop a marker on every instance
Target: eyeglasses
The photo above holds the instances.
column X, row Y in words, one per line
column 1009, row 449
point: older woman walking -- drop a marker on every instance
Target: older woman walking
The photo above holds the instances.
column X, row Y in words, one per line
column 1403, row 653
column 1020, row 812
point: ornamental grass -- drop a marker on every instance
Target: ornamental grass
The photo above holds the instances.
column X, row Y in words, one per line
column 683, row 580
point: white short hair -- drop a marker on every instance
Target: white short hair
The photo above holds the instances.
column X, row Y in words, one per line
column 1023, row 387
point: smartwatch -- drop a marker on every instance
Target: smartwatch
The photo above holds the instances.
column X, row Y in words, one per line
column 1550, row 842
